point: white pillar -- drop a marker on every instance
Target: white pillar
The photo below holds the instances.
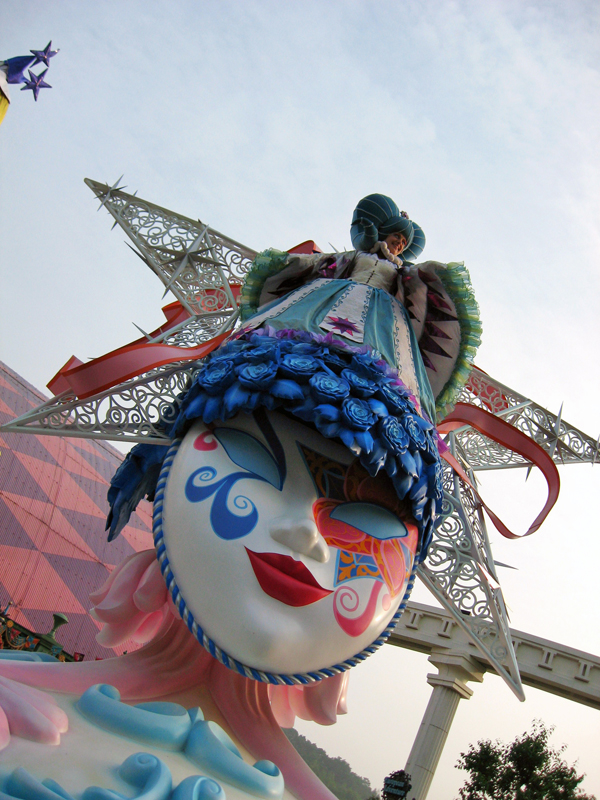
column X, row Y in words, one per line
column 449, row 686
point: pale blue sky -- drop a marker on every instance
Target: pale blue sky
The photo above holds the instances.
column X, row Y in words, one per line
column 270, row 121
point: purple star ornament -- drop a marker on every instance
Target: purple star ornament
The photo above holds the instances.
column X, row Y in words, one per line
column 44, row 56
column 35, row 83
column 343, row 325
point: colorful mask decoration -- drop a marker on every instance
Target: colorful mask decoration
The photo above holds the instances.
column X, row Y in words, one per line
column 282, row 554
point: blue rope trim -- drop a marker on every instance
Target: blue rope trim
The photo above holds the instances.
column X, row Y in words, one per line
column 209, row 645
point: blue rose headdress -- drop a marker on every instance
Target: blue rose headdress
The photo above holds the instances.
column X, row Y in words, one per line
column 348, row 395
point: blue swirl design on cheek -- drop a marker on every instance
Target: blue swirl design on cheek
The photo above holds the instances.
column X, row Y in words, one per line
column 225, row 523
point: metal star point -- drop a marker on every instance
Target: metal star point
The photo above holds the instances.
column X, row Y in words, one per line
column 108, row 195
column 35, row 83
column 44, row 56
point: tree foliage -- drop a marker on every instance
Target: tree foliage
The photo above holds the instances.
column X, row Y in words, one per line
column 335, row 773
column 526, row 769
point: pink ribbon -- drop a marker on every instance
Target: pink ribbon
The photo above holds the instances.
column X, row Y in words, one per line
column 129, row 361
column 508, row 436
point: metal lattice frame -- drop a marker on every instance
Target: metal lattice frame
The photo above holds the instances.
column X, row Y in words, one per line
column 199, row 266
column 135, row 411
column 196, row 263
column 562, row 441
column 460, row 572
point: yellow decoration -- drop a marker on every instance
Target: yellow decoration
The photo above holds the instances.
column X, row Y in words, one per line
column 4, row 104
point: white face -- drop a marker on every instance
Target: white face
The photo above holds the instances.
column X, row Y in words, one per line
column 396, row 243
column 279, row 576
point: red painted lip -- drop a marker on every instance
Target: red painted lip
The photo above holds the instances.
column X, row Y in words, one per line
column 286, row 580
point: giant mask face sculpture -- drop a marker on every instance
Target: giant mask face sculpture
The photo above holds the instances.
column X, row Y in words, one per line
column 278, row 545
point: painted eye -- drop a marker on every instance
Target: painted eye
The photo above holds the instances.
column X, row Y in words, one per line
column 373, row 520
column 248, row 453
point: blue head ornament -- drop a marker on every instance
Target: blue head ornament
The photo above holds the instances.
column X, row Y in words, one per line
column 376, row 217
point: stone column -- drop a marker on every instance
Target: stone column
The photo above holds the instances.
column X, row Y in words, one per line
column 449, row 686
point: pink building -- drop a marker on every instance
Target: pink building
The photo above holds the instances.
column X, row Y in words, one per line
column 53, row 548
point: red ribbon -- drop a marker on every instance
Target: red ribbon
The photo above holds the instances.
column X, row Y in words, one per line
column 507, row 435
column 129, row 361
column 141, row 356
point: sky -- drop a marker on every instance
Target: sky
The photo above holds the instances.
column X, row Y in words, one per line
column 269, row 121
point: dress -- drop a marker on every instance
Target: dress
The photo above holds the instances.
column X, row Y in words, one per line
column 363, row 314
column 423, row 320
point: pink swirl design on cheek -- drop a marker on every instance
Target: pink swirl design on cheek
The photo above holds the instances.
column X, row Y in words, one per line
column 346, row 599
column 201, row 443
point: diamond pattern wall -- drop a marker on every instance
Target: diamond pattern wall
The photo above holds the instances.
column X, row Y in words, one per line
column 53, row 548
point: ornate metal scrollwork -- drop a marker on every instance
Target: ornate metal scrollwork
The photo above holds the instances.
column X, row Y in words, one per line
column 565, row 443
column 460, row 572
column 198, row 264
column 197, row 330
column 138, row 410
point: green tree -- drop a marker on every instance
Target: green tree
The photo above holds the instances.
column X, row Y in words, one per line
column 526, row 769
column 335, row 773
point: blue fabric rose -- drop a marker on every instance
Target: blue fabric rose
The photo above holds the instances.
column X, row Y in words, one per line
column 365, row 366
column 216, row 377
column 345, row 395
column 299, row 367
column 335, row 362
column 434, row 475
column 395, row 398
column 230, row 350
column 233, row 357
column 264, row 352
column 357, row 415
column 362, row 387
column 260, row 338
column 393, row 435
column 430, row 452
column 414, row 430
column 327, row 388
column 305, row 348
column 258, row 377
